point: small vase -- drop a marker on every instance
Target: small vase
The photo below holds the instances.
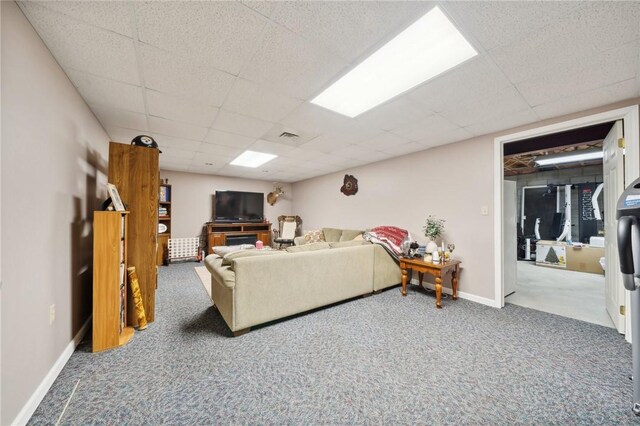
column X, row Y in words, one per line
column 431, row 247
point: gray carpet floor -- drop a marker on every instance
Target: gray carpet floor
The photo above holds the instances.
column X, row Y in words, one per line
column 383, row 359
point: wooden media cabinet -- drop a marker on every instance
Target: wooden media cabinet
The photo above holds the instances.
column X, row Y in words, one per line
column 227, row 234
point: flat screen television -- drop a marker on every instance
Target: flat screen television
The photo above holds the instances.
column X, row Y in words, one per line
column 237, row 206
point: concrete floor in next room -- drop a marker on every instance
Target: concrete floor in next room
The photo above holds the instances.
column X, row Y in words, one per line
column 571, row 294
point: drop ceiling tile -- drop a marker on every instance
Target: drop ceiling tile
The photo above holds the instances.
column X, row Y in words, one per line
column 359, row 152
column 314, row 119
column 212, row 161
column 222, row 34
column 204, row 170
column 455, row 135
column 507, row 121
column 476, row 78
column 109, row 93
column 165, row 141
column 270, row 147
column 504, row 102
column 325, row 144
column 219, row 151
column 591, row 99
column 180, row 109
column 176, row 75
column 495, row 24
column 175, row 167
column 404, row 149
column 258, row 101
column 177, row 129
column 84, row 47
column 351, row 29
column 602, row 69
column 394, row 113
column 300, row 155
column 228, row 139
column 292, row 64
column 239, row 124
column 112, row 117
column 591, row 28
column 179, row 158
column 110, row 15
column 119, row 134
column 434, row 124
column 384, row 141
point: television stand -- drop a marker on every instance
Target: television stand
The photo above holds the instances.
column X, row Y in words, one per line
column 223, row 234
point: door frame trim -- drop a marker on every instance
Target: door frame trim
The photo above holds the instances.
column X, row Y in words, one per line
column 631, row 128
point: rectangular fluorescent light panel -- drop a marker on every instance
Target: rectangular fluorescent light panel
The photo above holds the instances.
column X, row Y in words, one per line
column 570, row 158
column 429, row 47
column 252, row 159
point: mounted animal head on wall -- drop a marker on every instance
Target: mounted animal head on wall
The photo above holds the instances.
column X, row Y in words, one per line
column 273, row 196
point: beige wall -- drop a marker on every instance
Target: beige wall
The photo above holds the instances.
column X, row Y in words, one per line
column 192, row 199
column 452, row 182
column 53, row 157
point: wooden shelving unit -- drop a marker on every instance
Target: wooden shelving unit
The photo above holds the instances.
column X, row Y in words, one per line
column 135, row 171
column 110, row 325
column 164, row 218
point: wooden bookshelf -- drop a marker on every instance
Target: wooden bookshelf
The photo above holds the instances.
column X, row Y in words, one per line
column 134, row 170
column 164, row 206
column 110, row 235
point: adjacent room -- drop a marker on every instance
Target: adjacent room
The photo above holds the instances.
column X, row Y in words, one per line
column 319, row 212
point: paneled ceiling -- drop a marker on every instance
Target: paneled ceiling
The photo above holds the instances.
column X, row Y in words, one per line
column 210, row 79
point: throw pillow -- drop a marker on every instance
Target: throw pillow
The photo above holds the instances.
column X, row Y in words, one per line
column 349, row 234
column 331, row 234
column 360, row 237
column 308, row 247
column 313, row 236
column 352, row 243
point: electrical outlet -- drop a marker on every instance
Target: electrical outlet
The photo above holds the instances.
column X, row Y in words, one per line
column 484, row 210
column 52, row 313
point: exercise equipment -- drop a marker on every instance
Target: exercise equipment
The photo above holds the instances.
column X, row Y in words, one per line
column 628, row 215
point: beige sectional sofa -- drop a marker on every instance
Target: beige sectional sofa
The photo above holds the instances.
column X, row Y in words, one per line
column 254, row 286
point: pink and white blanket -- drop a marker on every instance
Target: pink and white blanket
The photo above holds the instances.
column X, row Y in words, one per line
column 389, row 237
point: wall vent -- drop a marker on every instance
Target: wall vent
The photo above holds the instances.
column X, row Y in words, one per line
column 288, row 135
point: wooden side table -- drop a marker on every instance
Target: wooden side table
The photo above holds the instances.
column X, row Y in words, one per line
column 438, row 270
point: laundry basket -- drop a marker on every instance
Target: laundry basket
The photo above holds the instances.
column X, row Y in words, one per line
column 183, row 249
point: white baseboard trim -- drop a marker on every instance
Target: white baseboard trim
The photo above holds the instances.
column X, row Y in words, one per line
column 461, row 294
column 36, row 398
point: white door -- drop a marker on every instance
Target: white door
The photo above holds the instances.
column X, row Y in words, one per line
column 510, row 236
column 613, row 187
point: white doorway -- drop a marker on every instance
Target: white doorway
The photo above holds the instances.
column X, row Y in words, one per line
column 631, row 170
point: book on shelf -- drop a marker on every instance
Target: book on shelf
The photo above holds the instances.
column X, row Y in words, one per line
column 165, row 194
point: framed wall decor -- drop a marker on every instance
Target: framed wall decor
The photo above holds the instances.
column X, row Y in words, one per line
column 115, row 197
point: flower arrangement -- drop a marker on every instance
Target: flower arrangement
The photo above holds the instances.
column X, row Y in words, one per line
column 433, row 227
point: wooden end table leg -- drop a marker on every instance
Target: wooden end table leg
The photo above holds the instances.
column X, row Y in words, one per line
column 438, row 293
column 420, row 277
column 404, row 282
column 454, row 284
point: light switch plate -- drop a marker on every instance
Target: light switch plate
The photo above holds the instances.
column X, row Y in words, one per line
column 484, row 210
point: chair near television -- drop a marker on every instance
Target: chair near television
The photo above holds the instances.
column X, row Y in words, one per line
column 288, row 229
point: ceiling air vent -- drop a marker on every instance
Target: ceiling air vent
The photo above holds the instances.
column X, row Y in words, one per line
column 288, row 135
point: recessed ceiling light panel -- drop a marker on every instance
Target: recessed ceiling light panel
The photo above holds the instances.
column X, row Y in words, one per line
column 252, row 159
column 429, row 47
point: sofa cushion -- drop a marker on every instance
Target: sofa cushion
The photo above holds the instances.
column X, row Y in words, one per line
column 331, row 234
column 314, row 236
column 309, row 247
column 228, row 259
column 224, row 250
column 349, row 234
column 352, row 243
